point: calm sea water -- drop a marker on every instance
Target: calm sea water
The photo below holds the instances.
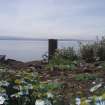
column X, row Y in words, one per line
column 29, row 50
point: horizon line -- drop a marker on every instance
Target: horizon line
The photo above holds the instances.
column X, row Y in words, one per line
column 45, row 39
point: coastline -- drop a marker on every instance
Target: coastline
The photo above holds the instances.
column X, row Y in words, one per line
column 15, row 64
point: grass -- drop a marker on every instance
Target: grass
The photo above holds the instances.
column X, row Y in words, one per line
column 85, row 77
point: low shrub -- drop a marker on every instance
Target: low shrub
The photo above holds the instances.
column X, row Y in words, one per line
column 93, row 52
column 88, row 53
column 63, row 59
column 65, row 56
column 68, row 53
column 101, row 50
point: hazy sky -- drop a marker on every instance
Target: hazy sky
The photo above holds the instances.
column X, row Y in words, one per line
column 52, row 18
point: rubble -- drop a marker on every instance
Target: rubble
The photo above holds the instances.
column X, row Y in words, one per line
column 94, row 88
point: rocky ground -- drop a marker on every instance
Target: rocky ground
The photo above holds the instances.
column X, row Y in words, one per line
column 78, row 82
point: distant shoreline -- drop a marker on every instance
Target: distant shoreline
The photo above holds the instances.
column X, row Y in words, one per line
column 45, row 39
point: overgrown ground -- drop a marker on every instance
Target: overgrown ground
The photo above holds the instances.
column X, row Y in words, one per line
column 75, row 83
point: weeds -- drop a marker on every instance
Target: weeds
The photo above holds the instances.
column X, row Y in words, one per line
column 63, row 59
column 85, row 77
column 87, row 53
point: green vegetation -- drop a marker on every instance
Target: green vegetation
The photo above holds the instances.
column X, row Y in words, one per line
column 87, row 53
column 64, row 59
column 93, row 52
column 85, row 77
column 89, row 59
column 68, row 58
column 24, row 88
column 64, row 56
column 101, row 50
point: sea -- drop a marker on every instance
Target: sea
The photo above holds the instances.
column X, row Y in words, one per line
column 29, row 50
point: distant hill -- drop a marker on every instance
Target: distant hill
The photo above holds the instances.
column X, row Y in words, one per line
column 20, row 38
column 37, row 39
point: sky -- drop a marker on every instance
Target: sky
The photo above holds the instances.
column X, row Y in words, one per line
column 81, row 19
